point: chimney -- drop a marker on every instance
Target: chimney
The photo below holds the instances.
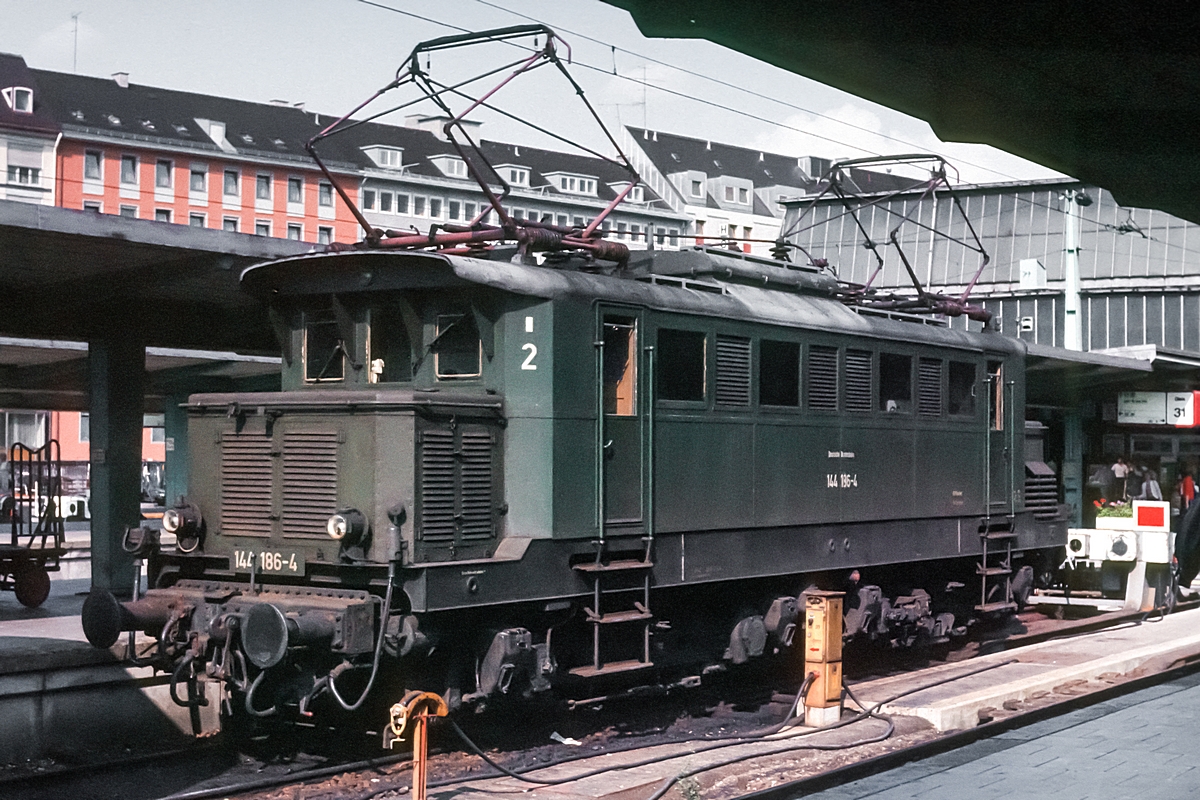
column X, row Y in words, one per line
column 121, row 79
column 436, row 124
column 708, row 145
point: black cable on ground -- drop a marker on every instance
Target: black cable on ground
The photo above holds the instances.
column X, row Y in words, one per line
column 715, row 744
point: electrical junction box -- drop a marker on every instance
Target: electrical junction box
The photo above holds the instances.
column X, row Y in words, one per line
column 826, row 689
column 822, row 626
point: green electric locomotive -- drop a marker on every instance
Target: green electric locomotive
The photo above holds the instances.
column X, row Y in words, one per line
column 489, row 476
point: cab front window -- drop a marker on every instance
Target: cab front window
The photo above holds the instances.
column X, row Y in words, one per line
column 324, row 350
column 456, row 347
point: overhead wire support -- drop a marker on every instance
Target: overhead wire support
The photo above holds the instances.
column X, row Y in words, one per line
column 833, row 185
column 530, row 235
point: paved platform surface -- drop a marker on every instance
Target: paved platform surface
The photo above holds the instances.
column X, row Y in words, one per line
column 1032, row 672
column 1139, row 745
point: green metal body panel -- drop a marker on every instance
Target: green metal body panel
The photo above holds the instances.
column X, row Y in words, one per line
column 739, row 493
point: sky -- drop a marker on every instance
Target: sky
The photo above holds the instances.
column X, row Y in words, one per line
column 332, row 54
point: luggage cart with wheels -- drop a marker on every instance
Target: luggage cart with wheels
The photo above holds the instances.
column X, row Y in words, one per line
column 37, row 541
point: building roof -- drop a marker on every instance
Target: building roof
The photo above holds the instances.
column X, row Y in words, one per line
column 421, row 145
column 673, row 153
column 166, row 117
column 14, row 72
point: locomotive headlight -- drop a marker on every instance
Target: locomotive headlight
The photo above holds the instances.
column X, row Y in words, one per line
column 184, row 520
column 347, row 526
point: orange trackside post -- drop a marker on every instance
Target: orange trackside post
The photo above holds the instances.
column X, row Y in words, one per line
column 823, row 657
column 417, row 708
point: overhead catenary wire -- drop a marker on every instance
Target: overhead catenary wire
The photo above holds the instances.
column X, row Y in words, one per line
column 730, row 85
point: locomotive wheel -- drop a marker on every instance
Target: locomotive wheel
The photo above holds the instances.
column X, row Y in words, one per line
column 31, row 585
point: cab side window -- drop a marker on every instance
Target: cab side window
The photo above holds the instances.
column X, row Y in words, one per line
column 681, row 364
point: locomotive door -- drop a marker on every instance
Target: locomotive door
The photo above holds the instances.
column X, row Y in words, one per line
column 1000, row 436
column 621, row 421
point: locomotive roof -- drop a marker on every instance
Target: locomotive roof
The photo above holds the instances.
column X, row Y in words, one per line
column 803, row 299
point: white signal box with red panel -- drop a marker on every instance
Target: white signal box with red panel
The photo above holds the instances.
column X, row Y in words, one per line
column 1123, row 564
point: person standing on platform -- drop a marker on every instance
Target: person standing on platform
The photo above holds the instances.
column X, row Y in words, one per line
column 1150, row 489
column 1120, row 471
column 1187, row 490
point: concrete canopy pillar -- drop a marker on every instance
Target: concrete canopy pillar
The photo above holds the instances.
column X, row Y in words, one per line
column 116, row 378
column 176, row 434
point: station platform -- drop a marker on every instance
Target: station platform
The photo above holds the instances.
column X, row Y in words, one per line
column 61, row 698
column 1025, row 678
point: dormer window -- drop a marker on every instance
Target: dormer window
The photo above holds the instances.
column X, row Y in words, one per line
column 514, row 174
column 19, row 99
column 450, row 166
column 386, row 157
column 247, row 138
column 148, row 125
column 572, row 184
column 181, row 130
column 113, row 119
column 636, row 194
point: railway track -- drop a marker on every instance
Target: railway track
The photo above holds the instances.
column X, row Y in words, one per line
column 305, row 762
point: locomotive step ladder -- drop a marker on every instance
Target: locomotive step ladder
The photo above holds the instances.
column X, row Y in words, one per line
column 635, row 613
column 995, row 567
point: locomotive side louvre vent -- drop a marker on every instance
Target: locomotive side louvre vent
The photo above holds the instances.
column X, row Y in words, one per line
column 476, row 484
column 437, row 484
column 457, row 485
column 929, row 387
column 733, row 371
column 821, row 378
column 858, row 380
column 309, row 482
column 246, row 469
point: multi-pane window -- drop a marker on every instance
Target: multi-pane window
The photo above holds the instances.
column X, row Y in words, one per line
column 262, row 187
column 385, row 202
column 962, row 389
column 229, row 224
column 129, row 211
column 779, row 373
column 196, row 220
column 324, row 235
column 418, row 206
column 129, row 170
column 697, row 189
column 231, row 183
column 198, row 182
column 454, row 210
column 681, row 364
column 295, row 190
column 30, row 176
column 895, row 383
column 435, row 207
column 368, row 199
column 162, row 215
column 262, row 228
column 91, row 165
column 294, row 231
column 162, row 174
column 401, row 204
column 469, row 211
column 325, row 195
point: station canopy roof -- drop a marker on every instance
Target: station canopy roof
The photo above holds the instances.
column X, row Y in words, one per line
column 1104, row 92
